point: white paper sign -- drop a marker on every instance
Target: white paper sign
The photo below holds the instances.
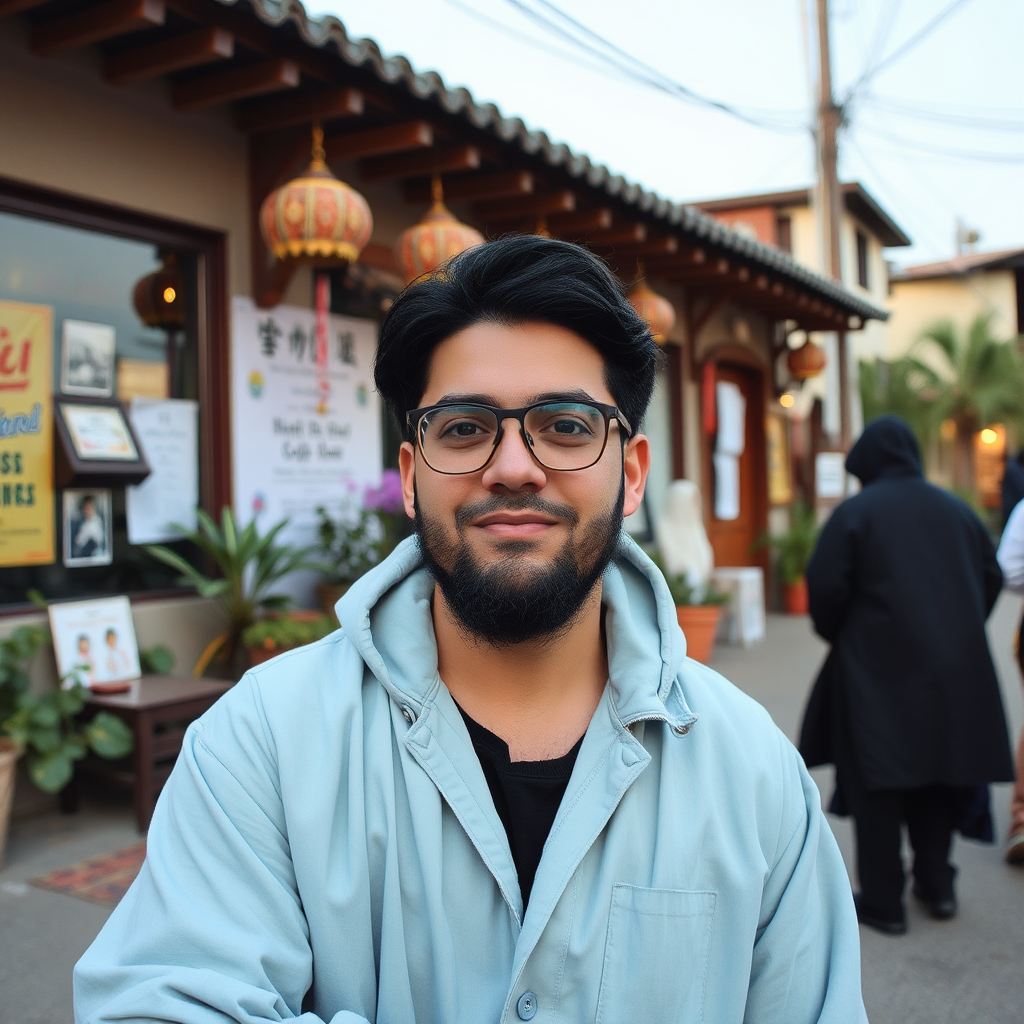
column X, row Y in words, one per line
column 727, row 486
column 732, row 417
column 94, row 641
column 168, row 431
column 830, row 474
column 289, row 456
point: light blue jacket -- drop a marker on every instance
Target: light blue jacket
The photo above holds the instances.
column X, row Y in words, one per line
column 327, row 849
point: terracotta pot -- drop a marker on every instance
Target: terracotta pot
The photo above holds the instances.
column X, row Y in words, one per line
column 261, row 653
column 699, row 623
column 794, row 597
column 329, row 594
column 9, row 754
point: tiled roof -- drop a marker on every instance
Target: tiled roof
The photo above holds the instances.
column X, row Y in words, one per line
column 960, row 265
column 328, row 31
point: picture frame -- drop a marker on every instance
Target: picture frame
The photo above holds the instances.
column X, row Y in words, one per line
column 97, row 445
column 87, row 358
column 94, row 643
column 88, row 536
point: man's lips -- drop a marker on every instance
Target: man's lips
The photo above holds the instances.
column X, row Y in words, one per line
column 515, row 524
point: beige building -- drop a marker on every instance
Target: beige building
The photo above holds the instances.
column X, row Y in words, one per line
column 958, row 289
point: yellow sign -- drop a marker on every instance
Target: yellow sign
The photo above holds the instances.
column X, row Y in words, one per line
column 780, row 481
column 26, row 435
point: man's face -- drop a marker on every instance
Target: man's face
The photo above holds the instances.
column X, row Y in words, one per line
column 516, row 535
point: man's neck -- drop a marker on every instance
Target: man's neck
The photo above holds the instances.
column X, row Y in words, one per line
column 538, row 697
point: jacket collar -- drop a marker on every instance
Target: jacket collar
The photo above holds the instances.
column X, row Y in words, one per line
column 387, row 615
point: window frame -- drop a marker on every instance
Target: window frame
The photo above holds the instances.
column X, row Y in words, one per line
column 863, row 259
column 214, row 353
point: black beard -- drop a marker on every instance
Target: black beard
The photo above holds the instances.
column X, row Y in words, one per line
column 511, row 603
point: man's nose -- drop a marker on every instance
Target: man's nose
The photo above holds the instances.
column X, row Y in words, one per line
column 512, row 466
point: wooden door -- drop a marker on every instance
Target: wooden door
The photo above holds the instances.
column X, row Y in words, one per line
column 733, row 540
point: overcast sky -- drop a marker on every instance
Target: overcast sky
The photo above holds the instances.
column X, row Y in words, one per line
column 935, row 134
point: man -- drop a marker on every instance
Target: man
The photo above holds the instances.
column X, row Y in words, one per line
column 907, row 705
column 489, row 797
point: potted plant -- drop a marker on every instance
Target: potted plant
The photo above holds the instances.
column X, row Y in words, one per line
column 358, row 540
column 44, row 724
column 277, row 633
column 795, row 547
column 698, row 609
column 250, row 566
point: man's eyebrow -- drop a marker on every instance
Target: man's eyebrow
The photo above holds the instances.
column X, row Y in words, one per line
column 573, row 395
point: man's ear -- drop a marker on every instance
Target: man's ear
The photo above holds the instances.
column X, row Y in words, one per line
column 636, row 464
column 407, row 469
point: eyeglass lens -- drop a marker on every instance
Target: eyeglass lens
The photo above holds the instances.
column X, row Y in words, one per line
column 561, row 435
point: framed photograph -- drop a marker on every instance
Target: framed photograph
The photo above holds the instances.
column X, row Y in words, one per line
column 99, row 432
column 94, row 643
column 87, row 359
column 88, row 534
column 97, row 445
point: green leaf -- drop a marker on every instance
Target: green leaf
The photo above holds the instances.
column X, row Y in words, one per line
column 43, row 740
column 109, row 736
column 157, row 660
column 45, row 713
column 52, row 772
column 69, row 702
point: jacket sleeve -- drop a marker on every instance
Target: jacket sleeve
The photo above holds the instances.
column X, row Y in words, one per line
column 992, row 574
column 806, row 961
column 830, row 575
column 212, row 930
column 1011, row 551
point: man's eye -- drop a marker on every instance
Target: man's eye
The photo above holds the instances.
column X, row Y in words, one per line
column 570, row 427
column 462, row 428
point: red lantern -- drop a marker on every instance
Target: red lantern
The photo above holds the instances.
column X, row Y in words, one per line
column 316, row 215
column 657, row 311
column 422, row 248
column 806, row 362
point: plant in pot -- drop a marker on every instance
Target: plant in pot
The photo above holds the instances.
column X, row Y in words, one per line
column 698, row 609
column 271, row 636
column 44, row 724
column 794, row 548
column 358, row 540
column 250, row 565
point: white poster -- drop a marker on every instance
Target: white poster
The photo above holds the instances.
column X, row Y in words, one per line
column 727, row 486
column 168, row 431
column 830, row 474
column 293, row 452
column 732, row 418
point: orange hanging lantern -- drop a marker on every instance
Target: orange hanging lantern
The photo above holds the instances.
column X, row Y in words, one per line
column 316, row 216
column 158, row 298
column 806, row 361
column 651, row 307
column 422, row 248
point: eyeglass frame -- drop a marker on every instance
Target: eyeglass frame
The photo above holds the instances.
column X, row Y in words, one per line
column 414, row 419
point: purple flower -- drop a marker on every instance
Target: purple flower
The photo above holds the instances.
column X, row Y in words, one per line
column 388, row 496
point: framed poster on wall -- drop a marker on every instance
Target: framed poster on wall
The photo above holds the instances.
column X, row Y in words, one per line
column 87, row 359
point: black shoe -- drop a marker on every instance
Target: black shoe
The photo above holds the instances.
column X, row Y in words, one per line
column 885, row 925
column 942, row 909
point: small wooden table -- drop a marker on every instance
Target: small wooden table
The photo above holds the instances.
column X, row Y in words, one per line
column 157, row 709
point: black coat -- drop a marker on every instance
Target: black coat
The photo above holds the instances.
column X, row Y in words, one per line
column 900, row 584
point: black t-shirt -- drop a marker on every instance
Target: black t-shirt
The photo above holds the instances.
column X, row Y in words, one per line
column 526, row 796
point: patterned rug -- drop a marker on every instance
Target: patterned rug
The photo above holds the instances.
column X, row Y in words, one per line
column 104, row 879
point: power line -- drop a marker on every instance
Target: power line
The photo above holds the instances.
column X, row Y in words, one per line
column 959, row 154
column 976, row 122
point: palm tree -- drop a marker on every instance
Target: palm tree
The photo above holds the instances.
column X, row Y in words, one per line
column 971, row 378
column 893, row 388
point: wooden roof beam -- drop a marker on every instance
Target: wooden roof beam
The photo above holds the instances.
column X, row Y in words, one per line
column 9, row 7
column 618, row 234
column 684, row 258
column 525, row 206
column 667, row 245
column 579, row 222
column 202, row 46
column 414, row 164
column 493, row 185
column 114, row 18
column 391, row 138
column 235, row 84
column 288, row 111
column 713, row 269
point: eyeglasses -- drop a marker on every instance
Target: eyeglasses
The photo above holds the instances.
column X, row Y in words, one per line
column 458, row 437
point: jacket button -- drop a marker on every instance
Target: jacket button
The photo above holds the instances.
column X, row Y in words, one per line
column 527, row 1006
column 406, row 713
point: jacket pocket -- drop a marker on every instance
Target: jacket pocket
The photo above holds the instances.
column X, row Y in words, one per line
column 656, row 956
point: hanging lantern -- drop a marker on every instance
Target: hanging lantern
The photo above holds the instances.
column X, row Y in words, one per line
column 422, row 248
column 316, row 216
column 657, row 311
column 806, row 361
column 158, row 297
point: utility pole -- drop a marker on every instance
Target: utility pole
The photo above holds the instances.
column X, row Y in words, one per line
column 829, row 119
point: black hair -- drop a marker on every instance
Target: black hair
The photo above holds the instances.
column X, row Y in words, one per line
column 516, row 280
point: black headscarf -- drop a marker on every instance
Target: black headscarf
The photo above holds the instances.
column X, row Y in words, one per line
column 886, row 449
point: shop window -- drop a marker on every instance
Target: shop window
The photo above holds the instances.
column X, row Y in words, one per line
column 784, row 233
column 862, row 260
column 96, row 291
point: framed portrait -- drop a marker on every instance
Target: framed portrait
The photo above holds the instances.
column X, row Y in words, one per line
column 87, row 359
column 94, row 643
column 88, row 532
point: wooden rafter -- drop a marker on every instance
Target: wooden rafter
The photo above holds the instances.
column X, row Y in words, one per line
column 414, row 164
column 201, row 46
column 392, row 138
column 288, row 111
column 9, row 7
column 619, row 234
column 525, row 206
column 579, row 222
column 491, row 185
column 114, row 18
column 235, row 84
column 712, row 269
column 667, row 245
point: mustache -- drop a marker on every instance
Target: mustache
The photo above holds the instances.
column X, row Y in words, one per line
column 514, row 503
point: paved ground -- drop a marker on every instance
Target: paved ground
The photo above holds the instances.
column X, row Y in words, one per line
column 969, row 969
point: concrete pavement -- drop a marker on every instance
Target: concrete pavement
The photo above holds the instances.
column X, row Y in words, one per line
column 969, row 969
